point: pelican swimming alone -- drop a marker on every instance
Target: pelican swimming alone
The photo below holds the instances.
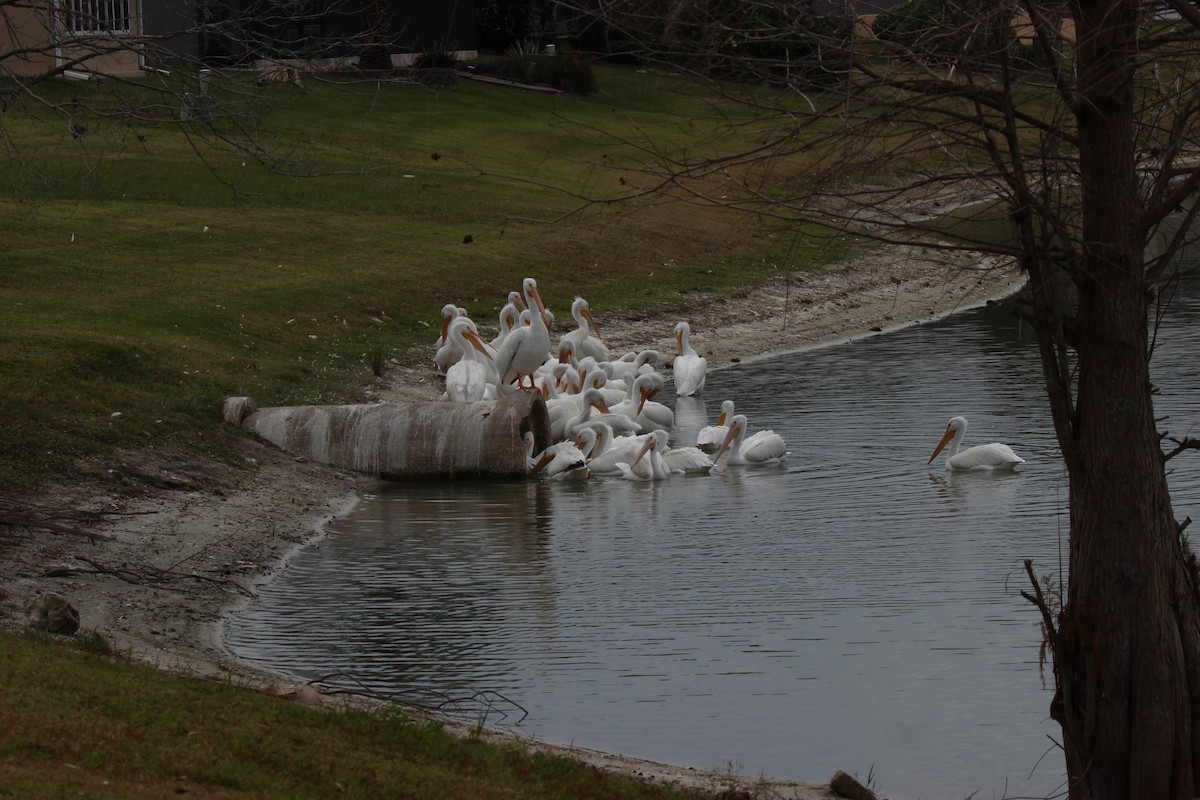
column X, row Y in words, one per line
column 690, row 368
column 761, row 447
column 995, row 457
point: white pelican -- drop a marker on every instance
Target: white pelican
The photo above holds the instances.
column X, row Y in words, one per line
column 586, row 337
column 648, row 463
column 690, row 367
column 622, row 371
column 591, row 376
column 447, row 353
column 467, row 379
column 571, row 399
column 709, row 438
column 684, row 459
column 557, row 459
column 566, row 355
column 525, row 348
column 762, row 447
column 510, row 315
column 604, row 450
column 640, row 406
column 995, row 456
column 594, row 402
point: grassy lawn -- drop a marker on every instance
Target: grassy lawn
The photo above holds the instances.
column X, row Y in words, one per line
column 82, row 724
column 153, row 268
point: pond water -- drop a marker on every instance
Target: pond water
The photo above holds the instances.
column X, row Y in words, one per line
column 852, row 609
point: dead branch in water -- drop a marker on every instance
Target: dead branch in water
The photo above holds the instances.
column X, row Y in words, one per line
column 480, row 704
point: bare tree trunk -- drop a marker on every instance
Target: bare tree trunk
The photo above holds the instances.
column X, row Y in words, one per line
column 376, row 53
column 1126, row 645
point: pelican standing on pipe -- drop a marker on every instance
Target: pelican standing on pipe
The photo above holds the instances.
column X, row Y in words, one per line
column 690, row 367
column 994, row 457
column 525, row 348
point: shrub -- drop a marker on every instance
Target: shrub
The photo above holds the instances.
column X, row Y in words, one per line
column 568, row 71
column 440, row 54
column 576, row 74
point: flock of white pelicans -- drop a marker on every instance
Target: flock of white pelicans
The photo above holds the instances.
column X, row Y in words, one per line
column 604, row 419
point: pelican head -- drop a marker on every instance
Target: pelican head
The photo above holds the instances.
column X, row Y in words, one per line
column 582, row 311
column 737, row 429
column 955, row 430
column 682, row 331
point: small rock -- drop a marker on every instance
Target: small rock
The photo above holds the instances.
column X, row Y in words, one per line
column 304, row 693
column 50, row 612
column 844, row 785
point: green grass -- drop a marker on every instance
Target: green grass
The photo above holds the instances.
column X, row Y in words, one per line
column 153, row 269
column 81, row 723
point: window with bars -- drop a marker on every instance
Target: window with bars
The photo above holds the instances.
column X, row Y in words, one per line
column 97, row 17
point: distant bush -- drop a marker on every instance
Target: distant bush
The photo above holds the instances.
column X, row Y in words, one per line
column 571, row 72
column 441, row 54
column 575, row 74
column 519, row 59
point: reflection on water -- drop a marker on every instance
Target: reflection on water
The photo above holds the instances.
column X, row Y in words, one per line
column 852, row 609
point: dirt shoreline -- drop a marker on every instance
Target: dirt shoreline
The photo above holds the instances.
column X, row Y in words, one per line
column 190, row 540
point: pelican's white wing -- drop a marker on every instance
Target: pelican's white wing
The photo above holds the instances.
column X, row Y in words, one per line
column 687, row 459
column 690, row 372
column 467, row 381
column 994, row 456
column 763, row 446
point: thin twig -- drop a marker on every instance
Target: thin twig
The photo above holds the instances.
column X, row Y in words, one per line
column 145, row 576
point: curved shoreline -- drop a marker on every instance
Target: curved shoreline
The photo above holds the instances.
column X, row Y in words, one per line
column 211, row 533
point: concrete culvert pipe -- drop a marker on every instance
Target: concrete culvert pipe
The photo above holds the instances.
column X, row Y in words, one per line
column 399, row 441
